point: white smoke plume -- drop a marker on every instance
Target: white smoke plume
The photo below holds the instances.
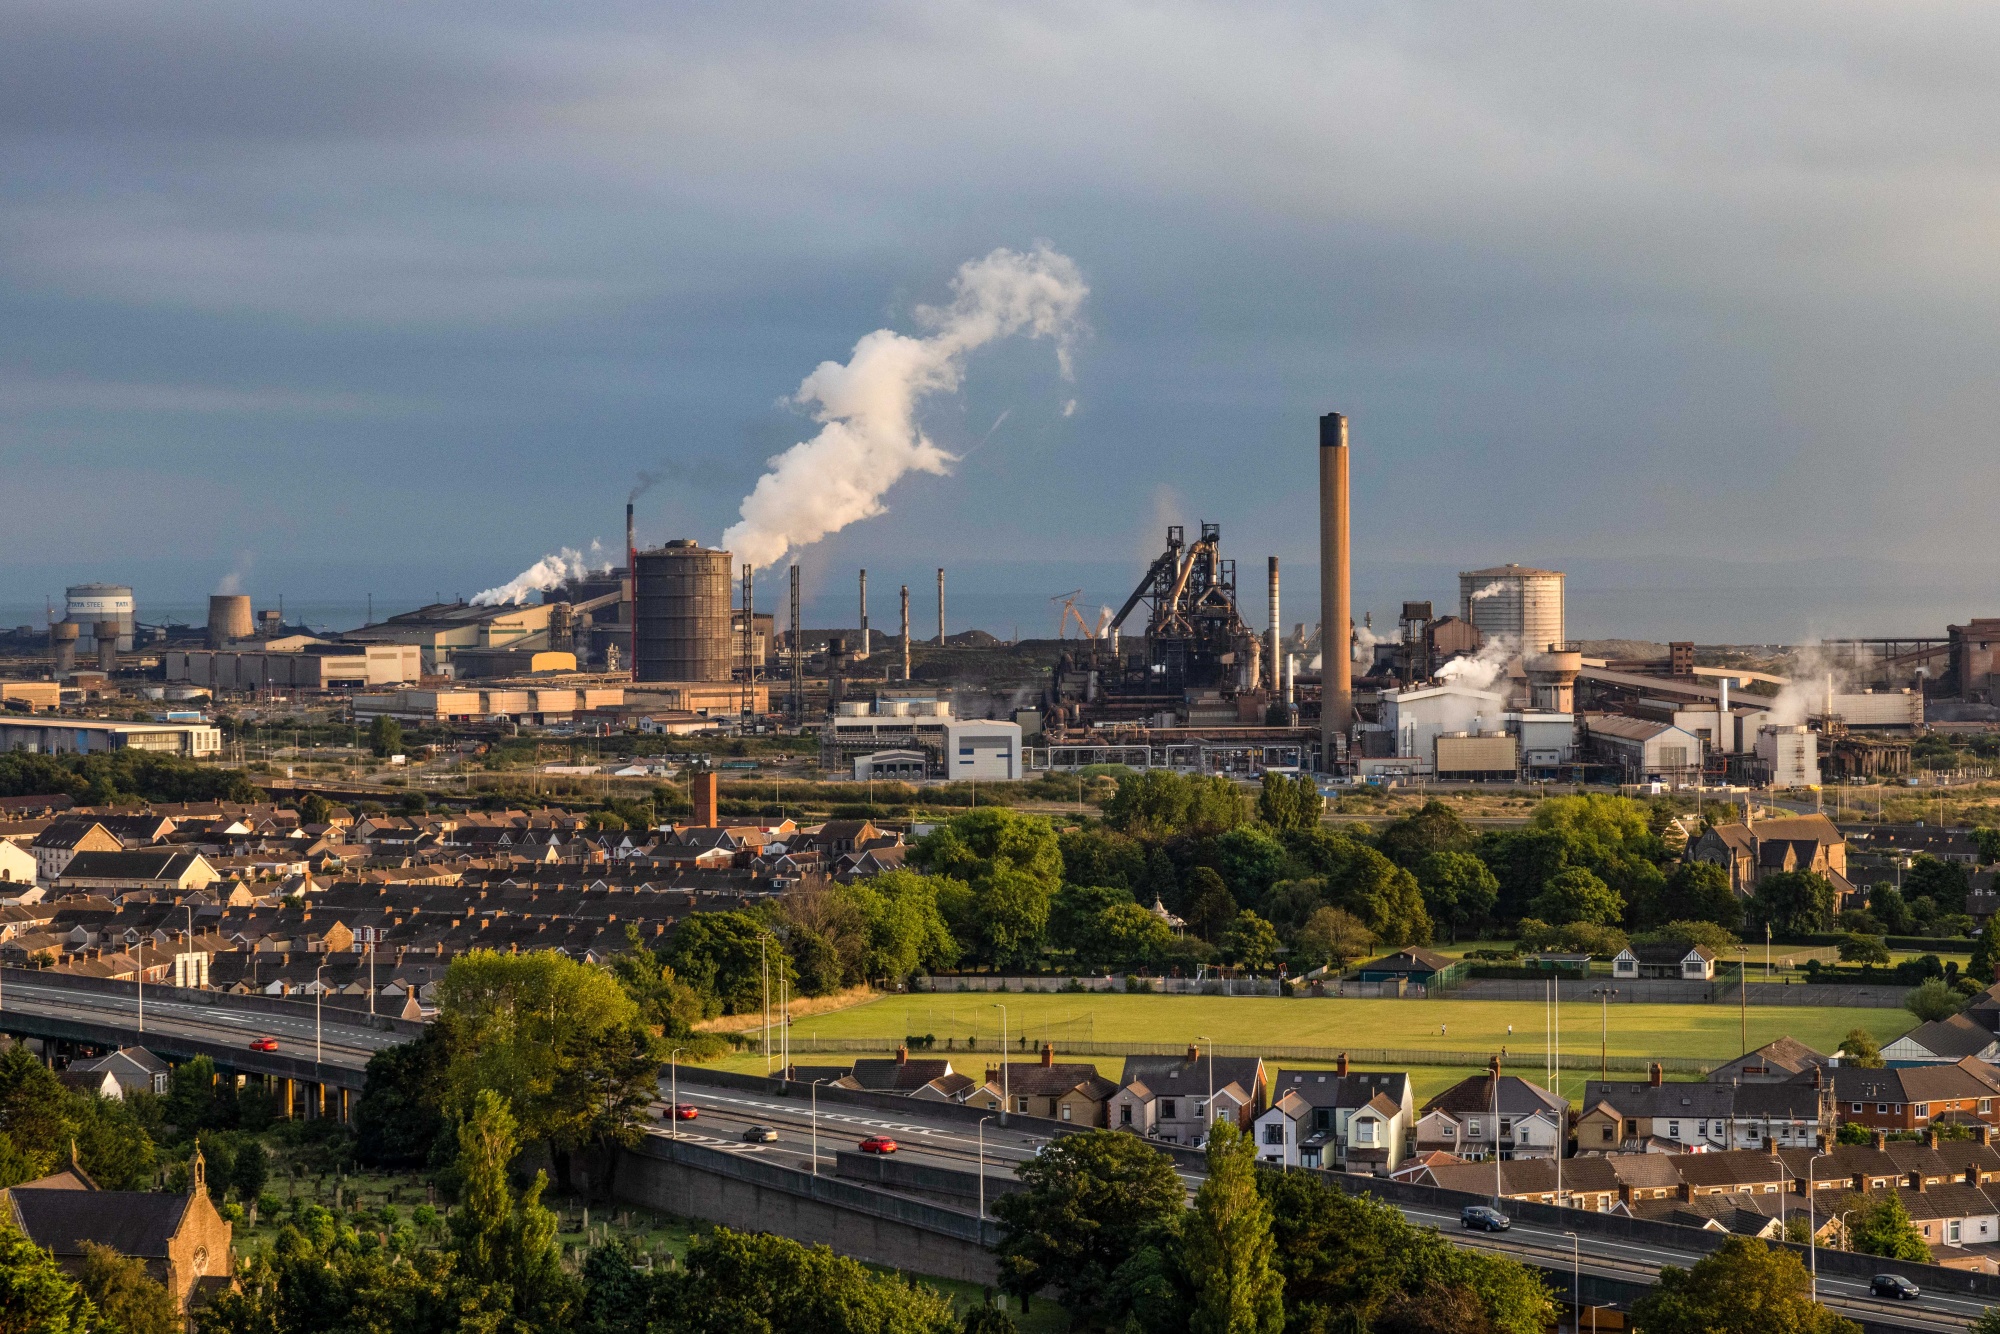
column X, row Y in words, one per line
column 232, row 583
column 1365, row 640
column 544, row 574
column 1482, row 669
column 1495, row 587
column 1804, row 696
column 869, row 437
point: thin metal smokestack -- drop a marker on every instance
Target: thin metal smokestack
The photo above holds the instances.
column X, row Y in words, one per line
column 1272, row 656
column 940, row 608
column 749, row 641
column 906, row 632
column 861, row 654
column 1336, row 611
column 632, row 588
column 798, row 652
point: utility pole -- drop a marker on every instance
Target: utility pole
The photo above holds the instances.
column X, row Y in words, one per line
column 1743, row 993
column 940, row 607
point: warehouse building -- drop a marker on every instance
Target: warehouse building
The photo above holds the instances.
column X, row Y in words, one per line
column 860, row 736
column 81, row 736
column 311, row 665
column 540, row 704
column 1643, row 751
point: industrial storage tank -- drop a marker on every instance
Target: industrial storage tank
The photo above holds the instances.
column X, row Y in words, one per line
column 683, row 613
column 88, row 604
column 62, row 644
column 1514, row 600
column 229, row 619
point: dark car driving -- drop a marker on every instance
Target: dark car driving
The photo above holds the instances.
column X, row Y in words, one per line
column 1483, row 1219
column 1894, row 1286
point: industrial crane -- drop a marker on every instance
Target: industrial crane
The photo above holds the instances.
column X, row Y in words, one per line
column 1069, row 612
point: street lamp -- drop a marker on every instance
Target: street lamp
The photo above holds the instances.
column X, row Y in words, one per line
column 1006, row 1085
column 982, row 1166
column 674, row 1092
column 1604, row 995
column 815, row 1126
column 1812, row 1221
column 319, row 998
column 1208, row 1120
column 1576, row 1278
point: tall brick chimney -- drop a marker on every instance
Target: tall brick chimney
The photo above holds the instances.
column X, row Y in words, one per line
column 702, row 791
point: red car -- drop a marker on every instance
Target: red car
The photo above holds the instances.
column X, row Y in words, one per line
column 878, row 1144
column 685, row 1111
column 263, row 1044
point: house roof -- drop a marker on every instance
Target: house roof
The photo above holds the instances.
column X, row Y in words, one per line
column 131, row 1222
column 1169, row 1075
column 1785, row 1055
column 1326, row 1088
column 1953, row 1037
column 1475, row 1094
column 1414, row 958
column 135, row 864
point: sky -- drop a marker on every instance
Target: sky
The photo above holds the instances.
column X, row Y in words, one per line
column 1697, row 301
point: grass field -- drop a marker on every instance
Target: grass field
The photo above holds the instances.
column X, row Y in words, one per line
column 1700, row 1031
column 1706, row 1032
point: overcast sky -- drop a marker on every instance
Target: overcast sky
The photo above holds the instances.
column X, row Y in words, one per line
column 405, row 296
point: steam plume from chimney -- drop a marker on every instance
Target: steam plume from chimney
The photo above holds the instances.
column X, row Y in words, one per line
column 870, row 437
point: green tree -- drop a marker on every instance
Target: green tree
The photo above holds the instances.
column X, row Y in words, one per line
column 385, row 737
column 35, row 1114
column 1161, row 804
column 1794, row 903
column 251, row 1170
column 1943, row 883
column 1523, row 861
column 1433, row 828
column 668, row 1007
column 313, row 808
column 1013, row 915
column 1931, row 1001
column 1098, row 856
column 557, row 1039
column 1349, row 1261
column 1857, row 948
column 1890, row 908
column 1132, row 937
column 1577, row 895
column 1250, row 861
column 1742, row 1287
column 1987, row 840
column 1075, row 920
column 735, row 1281
column 903, row 926
column 1211, row 907
column 1882, row 1226
column 729, row 958
column 1250, row 942
column 1228, row 1244
column 1290, row 802
column 1981, row 967
column 1332, row 937
column 128, row 1300
column 399, row 1118
column 1089, row 1202
column 1860, row 1049
column 1700, row 892
column 1460, row 891
column 1364, row 882
column 505, row 1241
column 973, row 846
column 1717, row 941
column 36, row 1297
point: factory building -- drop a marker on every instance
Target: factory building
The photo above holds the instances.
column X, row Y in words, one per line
column 1516, row 601
column 1788, row 754
column 438, row 630
column 87, row 605
column 879, row 739
column 81, row 736
column 309, row 665
column 1643, row 751
column 535, row 704
column 684, row 615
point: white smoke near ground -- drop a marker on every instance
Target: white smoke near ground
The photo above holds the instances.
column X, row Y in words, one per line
column 544, row 574
column 869, row 437
column 1365, row 640
column 1805, row 696
column 1482, row 669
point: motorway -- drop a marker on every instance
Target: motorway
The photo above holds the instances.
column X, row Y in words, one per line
column 726, row 1113
column 341, row 1043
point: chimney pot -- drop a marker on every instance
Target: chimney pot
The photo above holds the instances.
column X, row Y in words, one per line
column 1194, row 1052
column 903, row 1054
column 1656, row 1075
column 1341, row 1069
column 1880, row 1139
column 1685, row 1191
column 1048, row 1054
column 1930, row 1137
